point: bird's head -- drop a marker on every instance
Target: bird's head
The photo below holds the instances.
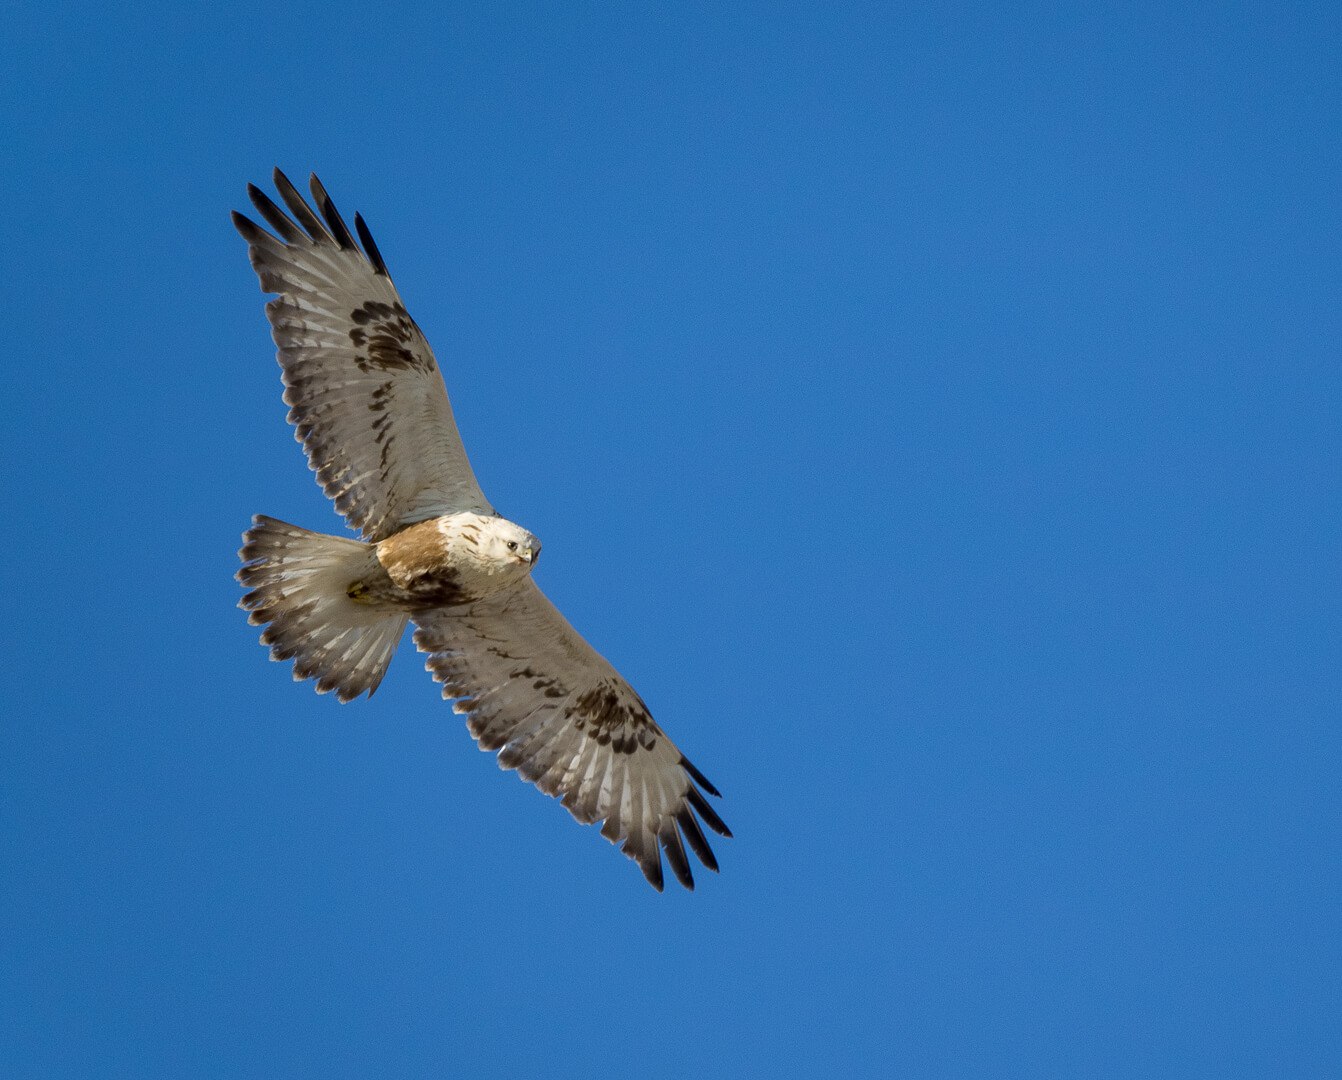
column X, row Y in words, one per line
column 510, row 546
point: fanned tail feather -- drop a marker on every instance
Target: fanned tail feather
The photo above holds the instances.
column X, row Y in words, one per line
column 299, row 582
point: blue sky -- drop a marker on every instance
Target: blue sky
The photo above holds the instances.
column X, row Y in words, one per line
column 933, row 411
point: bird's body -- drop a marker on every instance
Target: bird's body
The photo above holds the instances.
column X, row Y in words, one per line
column 446, row 561
column 371, row 410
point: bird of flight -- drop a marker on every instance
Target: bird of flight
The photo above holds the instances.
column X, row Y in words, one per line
column 369, row 406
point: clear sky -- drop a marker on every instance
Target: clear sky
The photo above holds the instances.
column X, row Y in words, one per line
column 933, row 411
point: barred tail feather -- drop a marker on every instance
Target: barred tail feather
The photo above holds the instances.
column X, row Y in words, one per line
column 299, row 582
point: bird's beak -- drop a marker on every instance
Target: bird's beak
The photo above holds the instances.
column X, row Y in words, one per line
column 533, row 553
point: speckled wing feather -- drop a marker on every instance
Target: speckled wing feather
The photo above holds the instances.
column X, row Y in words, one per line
column 365, row 394
column 558, row 713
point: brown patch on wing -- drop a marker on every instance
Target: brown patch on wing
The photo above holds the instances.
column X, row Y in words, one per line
column 547, row 685
column 620, row 719
column 383, row 332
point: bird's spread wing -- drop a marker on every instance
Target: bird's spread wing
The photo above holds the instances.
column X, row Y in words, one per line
column 364, row 390
column 558, row 713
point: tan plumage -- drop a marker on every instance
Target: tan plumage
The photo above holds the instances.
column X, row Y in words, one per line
column 369, row 405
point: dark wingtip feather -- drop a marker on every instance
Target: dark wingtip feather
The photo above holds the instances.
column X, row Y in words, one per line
column 652, row 869
column 698, row 777
column 275, row 217
column 333, row 219
column 369, row 247
column 298, row 206
column 694, row 836
column 675, row 853
column 250, row 230
column 706, row 812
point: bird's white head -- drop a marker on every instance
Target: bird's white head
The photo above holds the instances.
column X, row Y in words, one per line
column 486, row 552
column 509, row 545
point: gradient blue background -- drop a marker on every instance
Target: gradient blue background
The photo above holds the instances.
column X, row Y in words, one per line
column 932, row 410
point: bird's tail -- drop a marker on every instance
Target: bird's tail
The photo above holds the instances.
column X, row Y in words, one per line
column 300, row 582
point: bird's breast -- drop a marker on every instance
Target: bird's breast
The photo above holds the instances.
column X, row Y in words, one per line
column 419, row 562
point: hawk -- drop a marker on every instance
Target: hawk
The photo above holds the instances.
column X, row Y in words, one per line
column 369, row 406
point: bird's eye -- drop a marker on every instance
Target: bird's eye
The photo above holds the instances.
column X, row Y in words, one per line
column 512, row 545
